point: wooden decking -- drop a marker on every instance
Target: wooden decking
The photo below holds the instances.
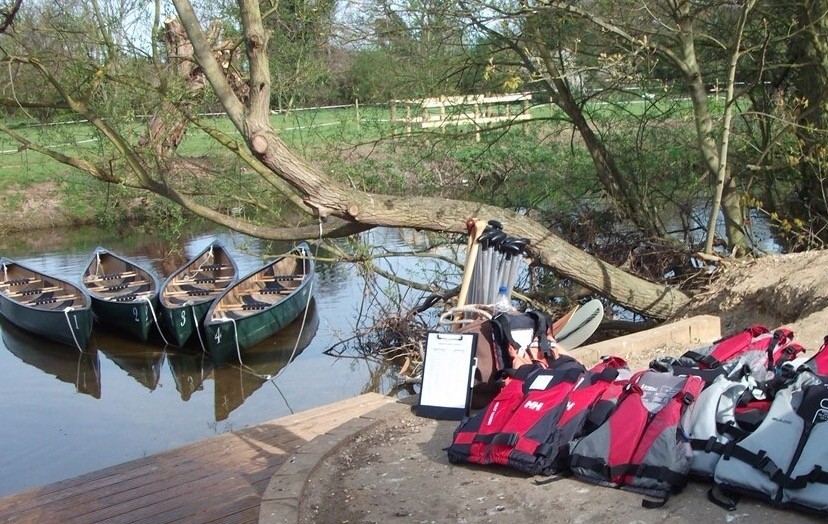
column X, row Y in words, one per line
column 220, row 479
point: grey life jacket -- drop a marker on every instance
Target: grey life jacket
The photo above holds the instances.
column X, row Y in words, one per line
column 784, row 459
column 639, row 447
column 710, row 423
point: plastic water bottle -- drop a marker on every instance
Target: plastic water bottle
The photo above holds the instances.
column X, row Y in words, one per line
column 503, row 302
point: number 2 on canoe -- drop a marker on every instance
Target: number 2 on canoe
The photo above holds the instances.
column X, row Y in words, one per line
column 135, row 312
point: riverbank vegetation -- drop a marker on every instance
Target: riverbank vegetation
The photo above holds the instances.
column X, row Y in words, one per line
column 654, row 130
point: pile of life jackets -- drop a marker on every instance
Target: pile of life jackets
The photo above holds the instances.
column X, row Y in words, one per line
column 749, row 413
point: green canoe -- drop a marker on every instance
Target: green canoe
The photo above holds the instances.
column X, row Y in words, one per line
column 124, row 295
column 189, row 291
column 259, row 304
column 45, row 305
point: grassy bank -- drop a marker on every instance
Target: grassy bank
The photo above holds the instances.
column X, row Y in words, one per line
column 539, row 164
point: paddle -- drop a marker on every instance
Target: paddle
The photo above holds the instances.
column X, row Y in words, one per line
column 581, row 325
column 476, row 227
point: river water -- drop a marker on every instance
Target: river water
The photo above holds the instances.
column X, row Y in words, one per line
column 65, row 413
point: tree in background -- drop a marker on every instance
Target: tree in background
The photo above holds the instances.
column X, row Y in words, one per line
column 176, row 82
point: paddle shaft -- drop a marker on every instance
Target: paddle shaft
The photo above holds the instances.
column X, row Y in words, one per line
column 471, row 258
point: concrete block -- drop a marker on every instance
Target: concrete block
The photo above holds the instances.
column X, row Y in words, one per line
column 687, row 333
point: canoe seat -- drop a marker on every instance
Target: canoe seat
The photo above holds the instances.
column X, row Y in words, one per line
column 213, row 267
column 274, row 291
column 252, row 307
column 18, row 281
column 35, row 291
column 204, row 280
column 111, row 276
column 199, row 292
column 42, row 301
column 117, row 287
column 55, row 303
column 280, row 278
column 125, row 298
column 252, row 303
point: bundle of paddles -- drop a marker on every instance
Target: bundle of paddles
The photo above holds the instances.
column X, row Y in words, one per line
column 748, row 413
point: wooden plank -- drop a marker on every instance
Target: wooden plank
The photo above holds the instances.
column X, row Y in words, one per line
column 213, row 480
column 110, row 277
column 35, row 291
column 20, row 281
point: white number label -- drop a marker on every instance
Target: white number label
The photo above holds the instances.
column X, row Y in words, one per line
column 183, row 318
column 135, row 312
column 218, row 336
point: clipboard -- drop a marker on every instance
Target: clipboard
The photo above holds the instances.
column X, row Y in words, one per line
column 448, row 372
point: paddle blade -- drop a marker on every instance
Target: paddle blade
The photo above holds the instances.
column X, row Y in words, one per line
column 581, row 325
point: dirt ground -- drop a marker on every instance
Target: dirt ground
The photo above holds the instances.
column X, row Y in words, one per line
column 398, row 471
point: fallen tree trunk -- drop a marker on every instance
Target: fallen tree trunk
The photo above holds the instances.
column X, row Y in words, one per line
column 328, row 199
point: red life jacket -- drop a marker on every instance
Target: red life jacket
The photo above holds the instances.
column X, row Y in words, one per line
column 819, row 362
column 639, row 447
column 552, row 412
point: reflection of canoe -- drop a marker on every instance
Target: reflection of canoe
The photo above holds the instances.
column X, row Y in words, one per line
column 234, row 384
column 190, row 290
column 189, row 371
column 124, row 295
column 140, row 361
column 259, row 304
column 81, row 368
column 46, row 305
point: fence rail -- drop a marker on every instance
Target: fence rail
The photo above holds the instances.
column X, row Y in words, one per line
column 475, row 110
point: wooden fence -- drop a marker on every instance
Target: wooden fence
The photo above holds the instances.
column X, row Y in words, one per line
column 475, row 110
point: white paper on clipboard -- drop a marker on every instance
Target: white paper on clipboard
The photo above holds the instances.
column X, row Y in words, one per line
column 447, row 375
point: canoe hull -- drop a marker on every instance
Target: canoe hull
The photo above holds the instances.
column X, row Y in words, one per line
column 45, row 305
column 124, row 295
column 61, row 327
column 221, row 337
column 190, row 290
column 259, row 305
column 133, row 319
column 179, row 323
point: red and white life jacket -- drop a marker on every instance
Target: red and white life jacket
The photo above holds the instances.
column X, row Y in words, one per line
column 639, row 447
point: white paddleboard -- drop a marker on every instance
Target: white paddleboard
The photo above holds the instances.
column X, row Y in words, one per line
column 581, row 325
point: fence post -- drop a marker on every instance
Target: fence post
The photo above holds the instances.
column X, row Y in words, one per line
column 356, row 105
column 525, row 125
column 476, row 125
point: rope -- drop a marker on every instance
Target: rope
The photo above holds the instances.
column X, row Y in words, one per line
column 236, row 338
column 155, row 319
column 272, row 378
column 197, row 327
column 479, row 309
column 71, row 330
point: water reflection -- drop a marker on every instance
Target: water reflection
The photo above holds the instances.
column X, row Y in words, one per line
column 140, row 361
column 67, row 364
column 234, row 384
column 51, row 433
column 189, row 371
